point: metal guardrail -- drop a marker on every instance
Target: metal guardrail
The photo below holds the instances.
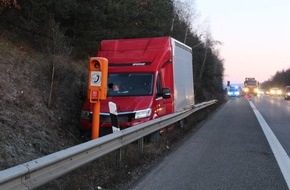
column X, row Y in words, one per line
column 42, row 170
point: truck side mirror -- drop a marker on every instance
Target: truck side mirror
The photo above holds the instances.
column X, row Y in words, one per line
column 166, row 93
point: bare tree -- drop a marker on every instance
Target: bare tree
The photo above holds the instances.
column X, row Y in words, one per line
column 209, row 44
column 186, row 11
column 58, row 49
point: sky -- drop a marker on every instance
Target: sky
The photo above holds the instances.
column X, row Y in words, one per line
column 254, row 35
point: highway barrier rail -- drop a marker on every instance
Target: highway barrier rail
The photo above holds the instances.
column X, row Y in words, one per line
column 37, row 172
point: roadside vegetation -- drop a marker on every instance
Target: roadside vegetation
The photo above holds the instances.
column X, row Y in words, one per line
column 44, row 51
column 280, row 80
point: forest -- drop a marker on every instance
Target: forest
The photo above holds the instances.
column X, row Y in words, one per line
column 280, row 79
column 74, row 28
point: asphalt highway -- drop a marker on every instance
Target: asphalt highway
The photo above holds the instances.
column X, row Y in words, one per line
column 228, row 152
column 276, row 112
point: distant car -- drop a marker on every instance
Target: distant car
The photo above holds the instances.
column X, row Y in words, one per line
column 275, row 91
column 287, row 93
column 234, row 91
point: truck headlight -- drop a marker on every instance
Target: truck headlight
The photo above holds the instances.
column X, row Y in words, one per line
column 142, row 113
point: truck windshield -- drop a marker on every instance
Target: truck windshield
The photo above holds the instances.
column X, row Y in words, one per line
column 251, row 82
column 130, row 84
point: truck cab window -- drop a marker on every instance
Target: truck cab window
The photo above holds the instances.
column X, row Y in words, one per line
column 130, row 84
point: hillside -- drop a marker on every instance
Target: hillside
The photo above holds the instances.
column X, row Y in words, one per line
column 28, row 128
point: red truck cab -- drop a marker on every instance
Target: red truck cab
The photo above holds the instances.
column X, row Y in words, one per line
column 140, row 82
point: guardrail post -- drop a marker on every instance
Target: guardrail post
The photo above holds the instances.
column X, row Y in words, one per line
column 181, row 126
column 118, row 157
column 141, row 145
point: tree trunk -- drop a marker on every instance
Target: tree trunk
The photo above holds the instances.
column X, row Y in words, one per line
column 202, row 65
column 185, row 35
column 51, row 85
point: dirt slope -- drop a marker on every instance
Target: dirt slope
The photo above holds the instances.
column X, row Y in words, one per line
column 28, row 129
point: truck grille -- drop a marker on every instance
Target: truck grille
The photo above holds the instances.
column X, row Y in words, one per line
column 122, row 117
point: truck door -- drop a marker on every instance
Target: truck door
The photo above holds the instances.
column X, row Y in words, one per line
column 159, row 105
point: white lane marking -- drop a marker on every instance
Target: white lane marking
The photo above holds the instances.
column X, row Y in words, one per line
column 280, row 154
